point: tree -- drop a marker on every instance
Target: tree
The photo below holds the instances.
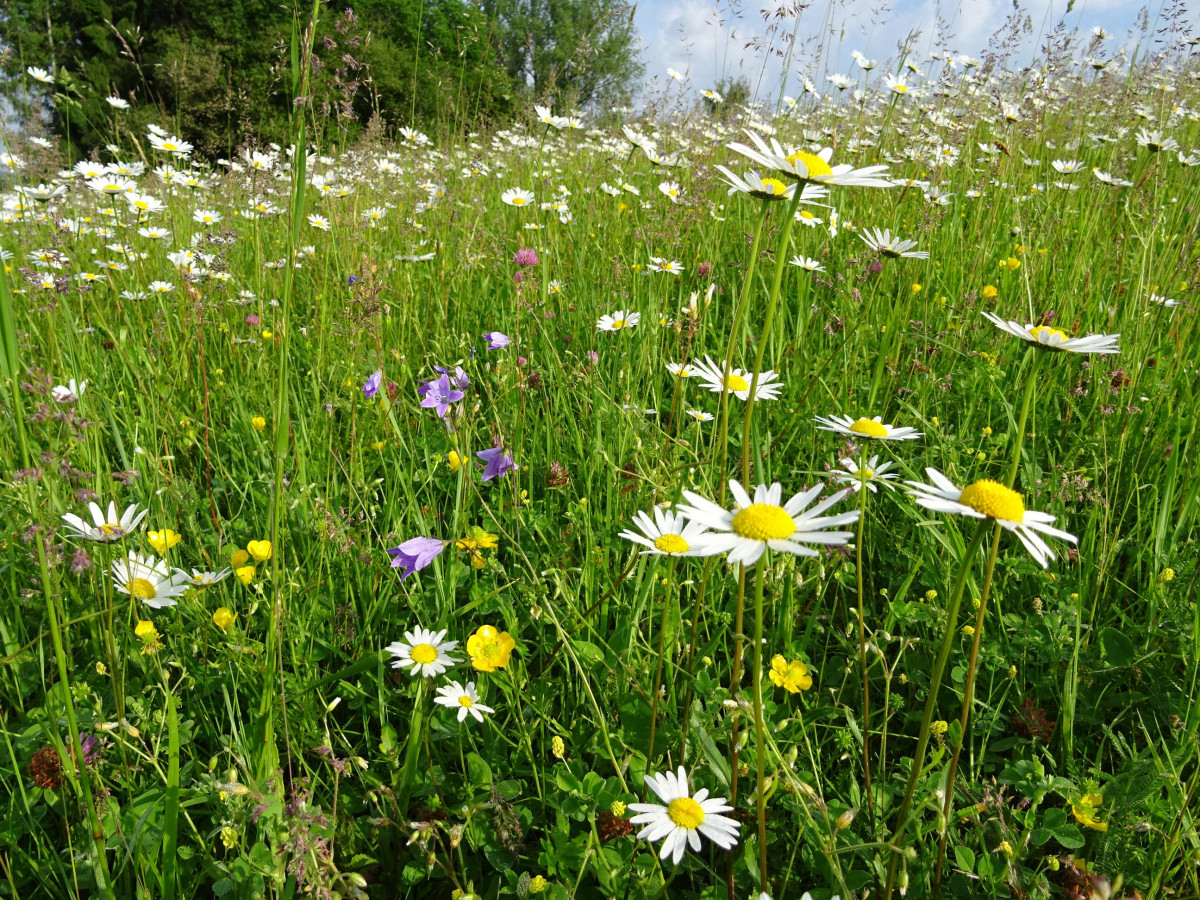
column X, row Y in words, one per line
column 579, row 51
column 211, row 70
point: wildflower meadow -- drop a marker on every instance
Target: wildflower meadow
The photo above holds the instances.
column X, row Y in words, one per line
column 722, row 499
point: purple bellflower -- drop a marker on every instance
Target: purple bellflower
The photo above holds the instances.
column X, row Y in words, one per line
column 496, row 340
column 415, row 554
column 371, row 388
column 498, row 463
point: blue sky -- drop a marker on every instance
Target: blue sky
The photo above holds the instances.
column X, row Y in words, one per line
column 707, row 38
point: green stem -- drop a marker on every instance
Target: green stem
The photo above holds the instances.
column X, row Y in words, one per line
column 412, row 749
column 862, row 634
column 759, row 726
column 662, row 636
column 968, row 695
column 769, row 319
column 935, row 682
column 1026, row 403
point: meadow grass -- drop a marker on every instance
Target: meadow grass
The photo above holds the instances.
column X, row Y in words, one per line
column 946, row 715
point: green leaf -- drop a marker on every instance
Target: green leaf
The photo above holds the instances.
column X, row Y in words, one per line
column 965, row 858
column 1118, row 649
column 478, row 770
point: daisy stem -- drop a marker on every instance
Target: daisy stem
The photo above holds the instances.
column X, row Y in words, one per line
column 1026, row 403
column 768, row 320
column 760, row 740
column 735, row 678
column 739, row 313
column 968, row 695
column 412, row 749
column 862, row 633
column 969, row 685
column 935, row 682
column 662, row 636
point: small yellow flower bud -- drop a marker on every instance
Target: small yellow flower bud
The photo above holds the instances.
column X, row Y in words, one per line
column 259, row 423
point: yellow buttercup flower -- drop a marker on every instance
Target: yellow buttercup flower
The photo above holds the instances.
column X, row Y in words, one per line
column 453, row 461
column 490, row 649
column 989, row 292
column 162, row 541
column 379, row 445
column 259, row 423
column 223, row 617
column 146, row 631
column 791, row 676
column 260, row 550
column 245, row 574
column 239, row 558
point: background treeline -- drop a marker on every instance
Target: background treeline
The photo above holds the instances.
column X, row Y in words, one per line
column 213, row 70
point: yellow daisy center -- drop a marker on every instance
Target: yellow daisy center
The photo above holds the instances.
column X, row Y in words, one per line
column 736, row 383
column 900, row 88
column 764, row 522
column 1039, row 330
column 465, row 700
column 111, row 528
column 817, row 167
column 142, row 588
column 686, row 813
column 993, row 500
column 868, row 428
column 805, row 214
column 774, row 187
column 618, row 324
column 671, row 543
column 424, row 654
column 518, row 201
column 866, row 474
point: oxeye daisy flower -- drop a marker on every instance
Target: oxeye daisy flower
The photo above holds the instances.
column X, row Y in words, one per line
column 760, row 523
column 668, row 266
column 423, row 651
column 147, row 579
column 684, row 818
column 667, row 534
column 883, row 243
column 517, row 197
column 806, row 263
column 618, row 320
column 1154, row 141
column 1046, row 338
column 106, row 528
column 866, row 428
column 700, row 415
column 756, row 186
column 804, row 166
column 200, row 579
column 464, row 699
column 871, row 474
column 681, row 370
column 737, row 382
column 986, row 499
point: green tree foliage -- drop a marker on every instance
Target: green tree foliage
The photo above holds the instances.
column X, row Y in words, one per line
column 579, row 51
column 210, row 70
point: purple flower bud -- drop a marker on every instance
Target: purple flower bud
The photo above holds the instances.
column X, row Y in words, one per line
column 593, row 357
column 80, row 562
column 518, row 277
column 371, row 388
